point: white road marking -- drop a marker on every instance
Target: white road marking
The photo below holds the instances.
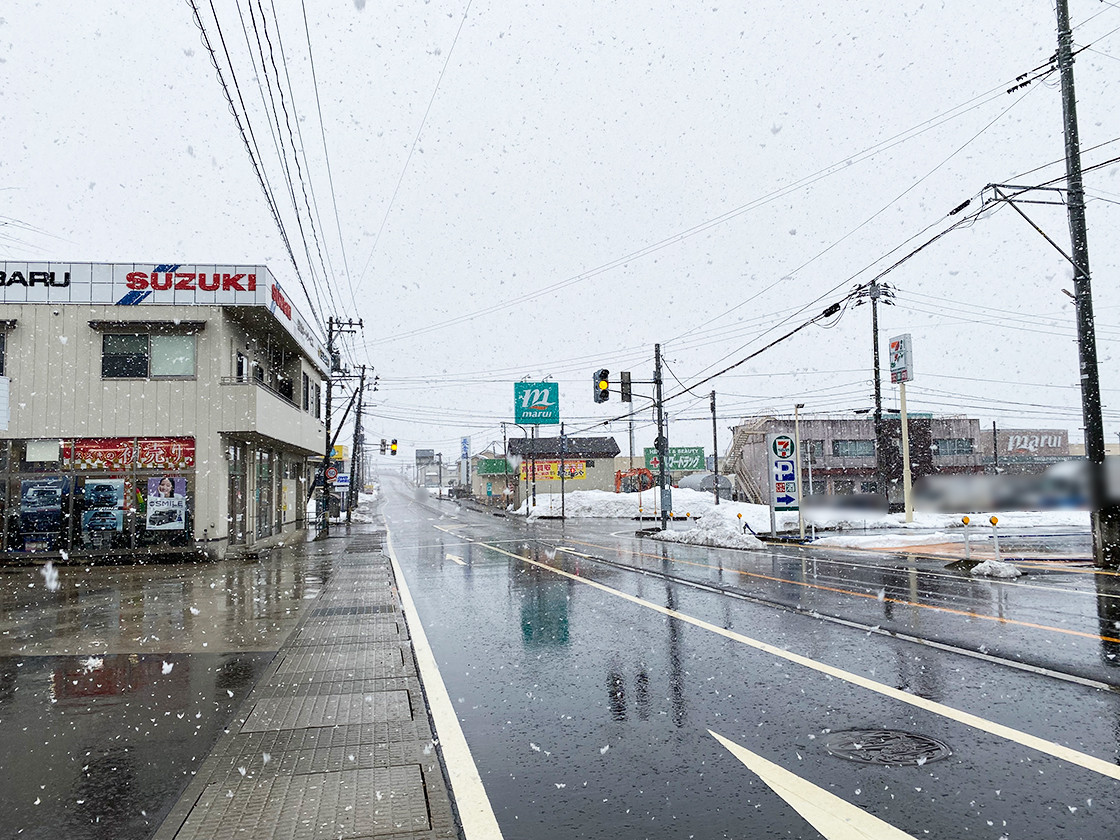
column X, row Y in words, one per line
column 458, row 560
column 832, row 816
column 475, row 811
column 1033, row 742
column 449, row 531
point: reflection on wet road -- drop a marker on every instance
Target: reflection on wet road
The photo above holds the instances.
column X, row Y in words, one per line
column 114, row 686
column 590, row 670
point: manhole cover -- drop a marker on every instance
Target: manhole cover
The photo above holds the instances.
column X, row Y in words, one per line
column 885, row 746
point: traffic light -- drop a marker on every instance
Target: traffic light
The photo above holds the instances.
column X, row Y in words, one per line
column 602, row 384
column 624, row 380
column 393, row 446
column 384, row 446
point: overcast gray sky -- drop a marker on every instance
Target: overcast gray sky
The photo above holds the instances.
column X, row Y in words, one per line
column 538, row 190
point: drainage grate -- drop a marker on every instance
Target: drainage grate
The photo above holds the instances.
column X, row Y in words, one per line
column 376, row 608
column 885, row 746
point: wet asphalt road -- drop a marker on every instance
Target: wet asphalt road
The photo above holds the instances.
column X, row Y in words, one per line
column 115, row 686
column 590, row 709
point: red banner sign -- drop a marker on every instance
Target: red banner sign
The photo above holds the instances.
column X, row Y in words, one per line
column 124, row 453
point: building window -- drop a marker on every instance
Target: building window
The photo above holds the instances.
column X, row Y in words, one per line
column 143, row 356
column 867, row 486
column 853, row 448
column 242, row 366
column 306, row 392
column 3, row 349
column 814, row 448
column 318, row 403
column 947, row 447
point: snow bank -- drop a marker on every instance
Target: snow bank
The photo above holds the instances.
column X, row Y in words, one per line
column 889, row 540
column 996, row 569
column 712, row 531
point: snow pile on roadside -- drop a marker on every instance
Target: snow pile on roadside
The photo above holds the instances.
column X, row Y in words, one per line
column 713, row 531
column 888, row 540
column 996, row 569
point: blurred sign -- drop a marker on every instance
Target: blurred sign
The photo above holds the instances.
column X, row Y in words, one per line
column 681, row 458
column 550, row 470
column 494, row 466
column 781, row 463
column 340, row 452
column 902, row 359
column 536, row 403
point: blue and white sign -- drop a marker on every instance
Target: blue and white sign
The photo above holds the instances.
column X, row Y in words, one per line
column 465, row 461
column 781, row 454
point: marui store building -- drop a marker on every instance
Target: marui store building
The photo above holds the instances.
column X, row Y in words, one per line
column 153, row 409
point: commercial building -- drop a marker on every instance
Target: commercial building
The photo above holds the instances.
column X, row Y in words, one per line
column 839, row 452
column 587, row 463
column 152, row 409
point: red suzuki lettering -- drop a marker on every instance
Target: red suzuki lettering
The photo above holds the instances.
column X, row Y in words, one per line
column 281, row 304
column 210, row 285
column 137, row 280
column 184, row 282
column 232, row 283
column 164, row 284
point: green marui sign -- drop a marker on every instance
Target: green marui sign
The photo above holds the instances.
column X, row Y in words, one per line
column 494, row 466
column 536, row 403
column 681, row 459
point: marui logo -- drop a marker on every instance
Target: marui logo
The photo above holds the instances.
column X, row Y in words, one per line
column 536, row 399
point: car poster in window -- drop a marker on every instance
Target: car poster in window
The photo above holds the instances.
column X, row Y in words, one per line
column 103, row 500
column 167, row 503
column 40, row 512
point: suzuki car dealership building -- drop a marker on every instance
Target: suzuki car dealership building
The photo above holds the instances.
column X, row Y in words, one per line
column 153, row 409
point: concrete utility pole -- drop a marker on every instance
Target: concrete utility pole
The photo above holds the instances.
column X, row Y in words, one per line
column 1106, row 514
column 715, row 449
column 874, row 290
column 356, row 452
column 335, row 327
column 662, row 443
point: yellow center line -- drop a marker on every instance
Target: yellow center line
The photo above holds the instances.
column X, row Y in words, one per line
column 900, row 601
column 1017, row 736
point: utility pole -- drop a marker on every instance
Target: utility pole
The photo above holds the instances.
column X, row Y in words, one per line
column 335, row 327
column 875, row 290
column 356, row 452
column 563, row 451
column 662, row 443
column 715, row 449
column 1106, row 514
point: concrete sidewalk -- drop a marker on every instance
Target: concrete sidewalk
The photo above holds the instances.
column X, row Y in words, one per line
column 335, row 741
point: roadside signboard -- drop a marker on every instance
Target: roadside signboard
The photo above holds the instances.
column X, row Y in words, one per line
column 332, row 473
column 781, row 463
column 465, row 461
column 902, row 358
column 493, row 466
column 536, row 403
column 424, row 457
column 342, row 480
column 550, row 470
column 681, row 459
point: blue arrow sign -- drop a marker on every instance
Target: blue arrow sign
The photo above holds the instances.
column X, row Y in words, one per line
column 786, row 500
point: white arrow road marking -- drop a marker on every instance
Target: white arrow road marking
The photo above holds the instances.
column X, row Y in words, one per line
column 458, row 560
column 1018, row 736
column 832, row 816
